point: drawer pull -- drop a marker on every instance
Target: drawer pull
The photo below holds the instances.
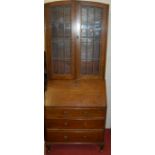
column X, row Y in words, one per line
column 84, row 136
column 85, row 112
column 85, row 124
column 65, row 137
column 66, row 123
column 65, row 112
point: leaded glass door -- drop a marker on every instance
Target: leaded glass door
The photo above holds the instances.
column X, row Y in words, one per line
column 92, row 39
column 76, row 35
column 60, row 40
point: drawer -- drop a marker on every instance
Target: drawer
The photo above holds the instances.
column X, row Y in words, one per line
column 88, row 136
column 75, row 112
column 74, row 124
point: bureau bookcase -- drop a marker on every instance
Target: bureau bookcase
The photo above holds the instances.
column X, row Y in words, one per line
column 75, row 98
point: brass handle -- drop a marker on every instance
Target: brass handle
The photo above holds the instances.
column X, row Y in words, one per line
column 65, row 137
column 66, row 123
column 84, row 136
column 65, row 112
column 85, row 112
column 85, row 124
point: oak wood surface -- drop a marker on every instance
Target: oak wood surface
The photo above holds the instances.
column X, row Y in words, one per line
column 75, row 103
column 76, row 93
column 81, row 113
column 75, row 123
column 75, row 135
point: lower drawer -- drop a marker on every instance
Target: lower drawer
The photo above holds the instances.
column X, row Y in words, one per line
column 88, row 136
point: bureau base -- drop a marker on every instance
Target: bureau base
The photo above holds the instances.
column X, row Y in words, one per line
column 75, row 114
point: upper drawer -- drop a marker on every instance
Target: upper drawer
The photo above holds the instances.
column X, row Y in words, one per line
column 74, row 112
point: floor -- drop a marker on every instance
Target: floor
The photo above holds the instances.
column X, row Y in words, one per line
column 83, row 149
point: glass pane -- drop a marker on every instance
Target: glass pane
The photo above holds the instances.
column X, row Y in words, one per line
column 84, row 30
column 67, row 66
column 90, row 51
column 67, row 30
column 83, row 67
column 98, row 14
column 67, row 14
column 90, row 15
column 84, row 15
column 67, row 49
column 61, row 39
column 91, row 26
column 83, row 51
column 90, row 30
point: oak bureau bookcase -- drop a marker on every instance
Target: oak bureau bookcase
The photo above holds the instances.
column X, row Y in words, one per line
column 75, row 98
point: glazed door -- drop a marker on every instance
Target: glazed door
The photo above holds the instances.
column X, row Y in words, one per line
column 76, row 35
column 59, row 40
column 91, row 43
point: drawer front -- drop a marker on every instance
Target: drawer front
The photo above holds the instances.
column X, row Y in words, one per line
column 75, row 136
column 69, row 113
column 74, row 124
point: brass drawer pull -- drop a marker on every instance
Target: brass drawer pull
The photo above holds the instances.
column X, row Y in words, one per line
column 84, row 136
column 86, row 112
column 65, row 137
column 85, row 124
column 66, row 123
column 65, row 112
